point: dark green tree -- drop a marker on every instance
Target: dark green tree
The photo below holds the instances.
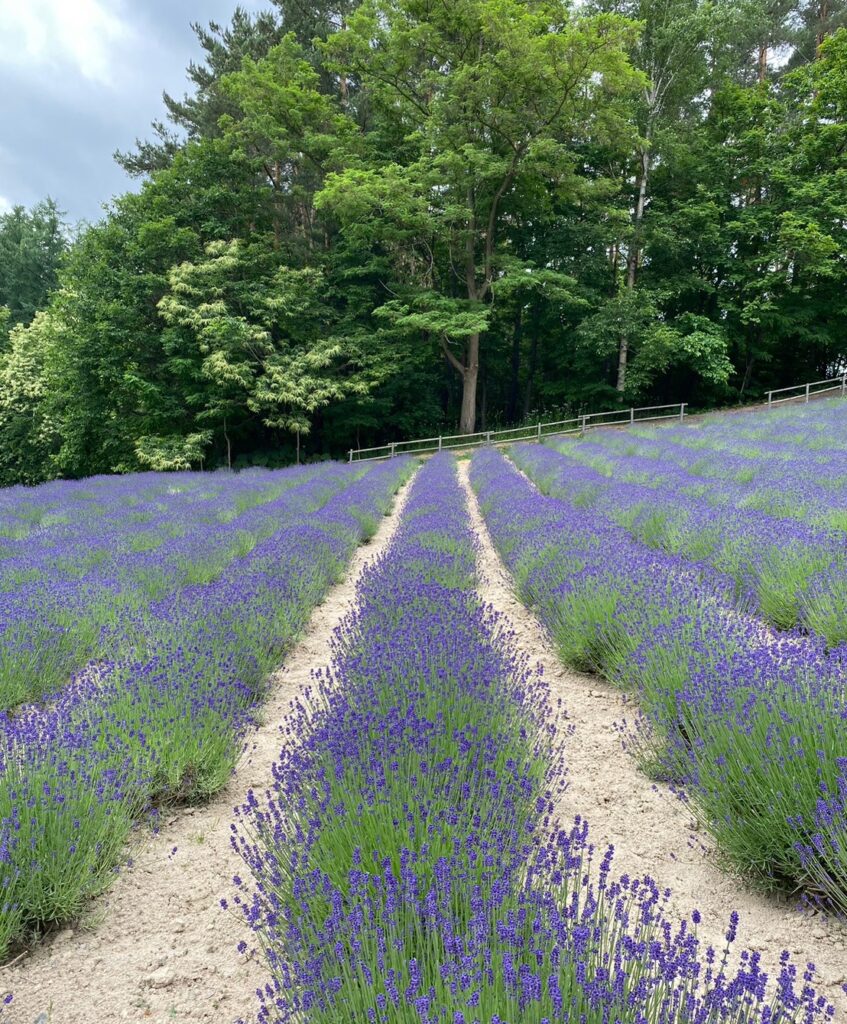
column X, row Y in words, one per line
column 32, row 244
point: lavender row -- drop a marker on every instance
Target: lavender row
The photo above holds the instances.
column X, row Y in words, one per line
column 790, row 462
column 796, row 574
column 60, row 516
column 751, row 723
column 163, row 722
column 405, row 865
column 84, row 588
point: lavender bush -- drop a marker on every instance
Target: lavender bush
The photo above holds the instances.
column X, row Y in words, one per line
column 71, row 591
column 774, row 561
column 751, row 722
column 405, row 865
column 163, row 719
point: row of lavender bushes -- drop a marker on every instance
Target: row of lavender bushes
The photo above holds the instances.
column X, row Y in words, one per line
column 405, row 866
column 720, row 479
column 163, row 720
column 749, row 721
column 794, row 573
column 72, row 586
column 789, row 463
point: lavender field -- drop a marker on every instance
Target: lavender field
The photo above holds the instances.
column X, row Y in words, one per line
column 141, row 617
column 552, row 679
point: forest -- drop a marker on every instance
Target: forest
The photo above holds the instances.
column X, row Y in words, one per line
column 377, row 220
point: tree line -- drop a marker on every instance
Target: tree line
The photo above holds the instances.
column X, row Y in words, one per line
column 392, row 218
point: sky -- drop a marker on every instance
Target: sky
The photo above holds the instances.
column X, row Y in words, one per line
column 82, row 78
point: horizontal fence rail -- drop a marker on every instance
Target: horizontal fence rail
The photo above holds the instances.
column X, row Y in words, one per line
column 804, row 392
column 575, row 425
column 579, row 424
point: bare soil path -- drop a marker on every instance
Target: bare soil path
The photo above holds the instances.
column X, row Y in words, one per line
column 651, row 829
column 158, row 948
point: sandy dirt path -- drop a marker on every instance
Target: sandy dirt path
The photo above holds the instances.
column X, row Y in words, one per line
column 652, row 831
column 158, row 948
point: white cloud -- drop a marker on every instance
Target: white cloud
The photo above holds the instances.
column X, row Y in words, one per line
column 84, row 36
column 5, row 205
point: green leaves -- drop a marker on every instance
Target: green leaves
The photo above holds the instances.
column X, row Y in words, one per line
column 430, row 313
column 175, row 452
column 485, row 98
column 29, row 433
column 660, row 344
column 264, row 345
column 32, row 244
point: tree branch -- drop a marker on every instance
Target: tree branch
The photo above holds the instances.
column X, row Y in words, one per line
column 451, row 358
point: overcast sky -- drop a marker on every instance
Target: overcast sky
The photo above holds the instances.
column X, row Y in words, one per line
column 82, row 78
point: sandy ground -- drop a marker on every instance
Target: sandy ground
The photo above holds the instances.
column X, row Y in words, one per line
column 651, row 829
column 158, row 947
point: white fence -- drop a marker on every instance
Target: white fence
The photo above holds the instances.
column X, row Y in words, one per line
column 804, row 392
column 577, row 425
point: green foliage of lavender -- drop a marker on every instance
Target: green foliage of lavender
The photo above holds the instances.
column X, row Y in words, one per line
column 405, row 866
column 162, row 719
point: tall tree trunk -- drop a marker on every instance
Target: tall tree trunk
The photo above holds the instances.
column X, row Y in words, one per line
column 470, row 375
column 298, row 446
column 763, row 62
column 514, row 381
column 614, row 257
column 634, row 254
column 748, row 372
column 823, row 14
column 228, row 447
column 533, row 364
column 483, row 404
column 343, row 83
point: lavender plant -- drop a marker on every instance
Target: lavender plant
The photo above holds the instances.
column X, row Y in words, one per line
column 164, row 720
column 751, row 722
column 777, row 561
column 405, row 865
column 73, row 592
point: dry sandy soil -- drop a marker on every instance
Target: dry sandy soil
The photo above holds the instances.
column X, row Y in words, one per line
column 158, row 947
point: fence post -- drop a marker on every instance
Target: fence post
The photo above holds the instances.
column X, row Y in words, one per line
column 682, row 406
column 393, row 447
column 843, row 383
column 807, row 393
column 770, row 398
column 351, row 455
column 439, row 442
column 583, row 421
column 632, row 415
column 488, row 437
column 539, row 431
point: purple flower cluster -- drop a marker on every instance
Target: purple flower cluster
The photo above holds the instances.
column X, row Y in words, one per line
column 404, row 865
column 778, row 562
column 71, row 589
column 162, row 718
column 750, row 721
